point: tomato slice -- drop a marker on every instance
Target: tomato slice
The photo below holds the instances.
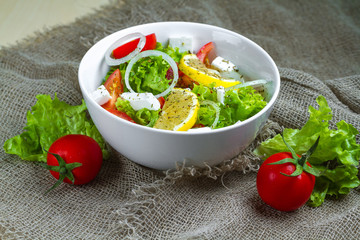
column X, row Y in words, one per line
column 204, row 51
column 115, row 87
column 198, row 125
column 121, row 115
column 162, row 101
column 170, row 73
column 129, row 47
column 186, row 82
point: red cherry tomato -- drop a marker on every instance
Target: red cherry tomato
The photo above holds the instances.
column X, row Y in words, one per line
column 121, row 115
column 284, row 193
column 204, row 51
column 129, row 47
column 115, row 87
column 76, row 148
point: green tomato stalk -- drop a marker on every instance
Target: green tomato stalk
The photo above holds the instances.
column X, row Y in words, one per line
column 64, row 169
column 300, row 162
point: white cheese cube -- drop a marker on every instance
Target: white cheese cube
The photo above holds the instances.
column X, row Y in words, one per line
column 142, row 100
column 220, row 94
column 101, row 95
column 223, row 65
column 183, row 43
column 227, row 69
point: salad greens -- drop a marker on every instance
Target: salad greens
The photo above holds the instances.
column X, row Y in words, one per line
column 152, row 74
column 239, row 105
column 47, row 121
column 336, row 157
column 149, row 74
column 143, row 116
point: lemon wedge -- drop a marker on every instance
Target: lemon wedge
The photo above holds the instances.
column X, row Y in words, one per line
column 179, row 112
column 191, row 66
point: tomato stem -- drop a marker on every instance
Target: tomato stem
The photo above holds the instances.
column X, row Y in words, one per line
column 299, row 162
column 64, row 170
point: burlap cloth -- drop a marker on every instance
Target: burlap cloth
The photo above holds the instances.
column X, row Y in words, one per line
column 316, row 45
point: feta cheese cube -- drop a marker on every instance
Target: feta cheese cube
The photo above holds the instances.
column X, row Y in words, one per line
column 223, row 65
column 183, row 43
column 142, row 100
column 226, row 68
column 101, row 95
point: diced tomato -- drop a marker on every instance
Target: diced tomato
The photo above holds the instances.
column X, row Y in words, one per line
column 198, row 125
column 170, row 73
column 204, row 51
column 121, row 115
column 186, row 82
column 115, row 87
column 129, row 47
column 162, row 101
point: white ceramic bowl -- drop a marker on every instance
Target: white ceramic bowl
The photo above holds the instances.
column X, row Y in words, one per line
column 161, row 149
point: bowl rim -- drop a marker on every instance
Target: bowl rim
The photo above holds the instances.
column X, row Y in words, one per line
column 168, row 132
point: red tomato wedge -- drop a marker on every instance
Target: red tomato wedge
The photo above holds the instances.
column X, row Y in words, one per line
column 121, row 115
column 204, row 51
column 115, row 87
column 198, row 125
column 162, row 101
column 129, row 47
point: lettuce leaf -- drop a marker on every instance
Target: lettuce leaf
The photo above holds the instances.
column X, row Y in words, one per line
column 337, row 155
column 47, row 121
column 239, row 105
column 143, row 116
column 149, row 74
column 173, row 53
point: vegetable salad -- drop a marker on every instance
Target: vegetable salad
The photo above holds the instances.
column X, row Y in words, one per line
column 144, row 73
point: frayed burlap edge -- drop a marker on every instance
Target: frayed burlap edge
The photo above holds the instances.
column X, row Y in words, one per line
column 244, row 162
column 144, row 196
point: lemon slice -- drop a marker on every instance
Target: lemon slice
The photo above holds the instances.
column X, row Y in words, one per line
column 179, row 112
column 190, row 65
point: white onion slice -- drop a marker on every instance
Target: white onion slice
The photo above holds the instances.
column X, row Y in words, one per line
column 256, row 84
column 114, row 62
column 217, row 111
column 156, row 53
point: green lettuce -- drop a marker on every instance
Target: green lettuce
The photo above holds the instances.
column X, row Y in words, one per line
column 172, row 52
column 239, row 105
column 143, row 116
column 149, row 73
column 337, row 155
column 47, row 121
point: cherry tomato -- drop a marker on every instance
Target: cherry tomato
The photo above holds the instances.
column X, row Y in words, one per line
column 121, row 115
column 284, row 193
column 115, row 87
column 81, row 159
column 129, row 47
column 204, row 51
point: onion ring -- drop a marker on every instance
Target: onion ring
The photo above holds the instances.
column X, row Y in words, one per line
column 114, row 62
column 156, row 53
column 217, row 111
column 255, row 84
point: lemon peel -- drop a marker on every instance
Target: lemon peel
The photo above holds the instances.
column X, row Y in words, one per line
column 179, row 112
column 191, row 66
